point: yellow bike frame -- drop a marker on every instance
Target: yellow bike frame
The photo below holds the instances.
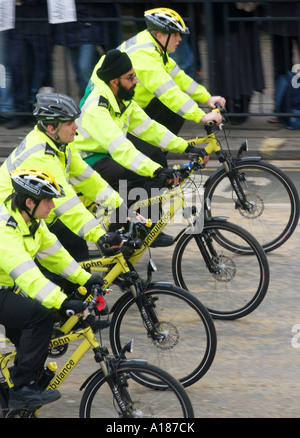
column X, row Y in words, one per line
column 213, row 145
column 175, row 200
column 66, row 338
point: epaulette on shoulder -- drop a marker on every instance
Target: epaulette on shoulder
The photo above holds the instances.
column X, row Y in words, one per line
column 12, row 222
column 49, row 150
column 103, row 102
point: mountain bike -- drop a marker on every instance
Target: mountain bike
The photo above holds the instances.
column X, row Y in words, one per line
column 116, row 390
column 165, row 321
column 231, row 275
column 266, row 201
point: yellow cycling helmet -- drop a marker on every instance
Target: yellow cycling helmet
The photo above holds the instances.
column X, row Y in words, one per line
column 35, row 182
column 166, row 20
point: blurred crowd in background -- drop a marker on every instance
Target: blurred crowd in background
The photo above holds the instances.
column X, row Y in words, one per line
column 231, row 30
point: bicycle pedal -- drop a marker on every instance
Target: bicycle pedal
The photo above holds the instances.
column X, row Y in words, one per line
column 21, row 413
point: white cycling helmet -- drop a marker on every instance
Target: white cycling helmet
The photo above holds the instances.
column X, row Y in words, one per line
column 166, row 20
column 36, row 183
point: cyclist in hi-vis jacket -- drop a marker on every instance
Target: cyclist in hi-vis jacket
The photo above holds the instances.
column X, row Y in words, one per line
column 24, row 236
column 107, row 117
column 164, row 91
column 49, row 146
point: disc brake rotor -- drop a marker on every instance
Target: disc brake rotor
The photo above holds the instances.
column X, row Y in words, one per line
column 169, row 336
column 225, row 268
column 256, row 210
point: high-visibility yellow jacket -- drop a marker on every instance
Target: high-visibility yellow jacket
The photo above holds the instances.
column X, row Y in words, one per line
column 103, row 126
column 72, row 173
column 171, row 85
column 19, row 249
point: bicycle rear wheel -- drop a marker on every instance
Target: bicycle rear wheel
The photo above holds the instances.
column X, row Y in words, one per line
column 98, row 399
column 235, row 278
column 188, row 342
column 273, row 196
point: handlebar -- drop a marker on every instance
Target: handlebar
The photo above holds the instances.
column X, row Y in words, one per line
column 98, row 300
column 210, row 124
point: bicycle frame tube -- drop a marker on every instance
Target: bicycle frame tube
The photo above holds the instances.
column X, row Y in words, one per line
column 176, row 199
column 89, row 342
column 228, row 166
column 4, row 359
column 212, row 145
column 101, row 263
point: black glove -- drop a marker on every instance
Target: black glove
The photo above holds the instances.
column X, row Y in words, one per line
column 107, row 241
column 72, row 307
column 94, row 280
column 163, row 175
column 166, row 173
column 200, row 152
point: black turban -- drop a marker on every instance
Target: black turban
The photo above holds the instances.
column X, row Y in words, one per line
column 115, row 64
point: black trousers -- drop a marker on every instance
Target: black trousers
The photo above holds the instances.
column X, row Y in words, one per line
column 156, row 110
column 114, row 172
column 29, row 326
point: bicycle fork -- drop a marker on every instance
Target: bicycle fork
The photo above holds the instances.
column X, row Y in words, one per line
column 235, row 178
column 146, row 306
column 118, row 383
column 205, row 244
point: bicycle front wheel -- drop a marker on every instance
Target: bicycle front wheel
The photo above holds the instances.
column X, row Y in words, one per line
column 224, row 266
column 186, row 339
column 136, row 401
column 273, row 197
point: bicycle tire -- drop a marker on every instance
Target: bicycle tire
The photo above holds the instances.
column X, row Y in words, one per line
column 98, row 400
column 188, row 329
column 240, row 281
column 274, row 196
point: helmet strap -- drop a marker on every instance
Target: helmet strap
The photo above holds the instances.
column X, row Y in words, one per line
column 164, row 53
column 31, row 215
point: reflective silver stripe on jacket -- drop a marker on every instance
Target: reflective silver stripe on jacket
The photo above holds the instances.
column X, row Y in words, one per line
column 185, row 107
column 23, row 267
column 70, row 269
column 192, row 88
column 3, row 216
column 68, row 164
column 165, row 141
column 129, row 43
column 130, row 48
column 175, row 70
column 53, row 249
column 103, row 195
column 88, row 171
column 93, row 223
column 66, row 206
column 138, row 130
column 83, row 132
column 21, row 156
column 80, row 129
column 137, row 161
column 116, row 143
column 45, row 291
column 164, row 87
